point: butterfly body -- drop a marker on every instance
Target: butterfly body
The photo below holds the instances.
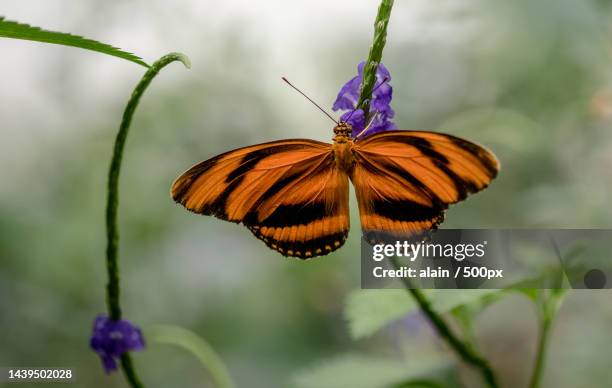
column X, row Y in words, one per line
column 343, row 148
column 293, row 194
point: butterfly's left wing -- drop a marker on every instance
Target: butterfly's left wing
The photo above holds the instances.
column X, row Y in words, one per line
column 288, row 193
column 404, row 180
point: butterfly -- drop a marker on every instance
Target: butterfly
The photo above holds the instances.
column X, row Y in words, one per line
column 294, row 194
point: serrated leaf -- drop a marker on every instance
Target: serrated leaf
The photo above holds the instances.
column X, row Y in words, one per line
column 370, row 310
column 358, row 371
column 16, row 30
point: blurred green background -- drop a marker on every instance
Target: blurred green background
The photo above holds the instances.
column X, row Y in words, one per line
column 530, row 79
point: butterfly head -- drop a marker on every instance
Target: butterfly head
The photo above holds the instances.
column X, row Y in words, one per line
column 342, row 132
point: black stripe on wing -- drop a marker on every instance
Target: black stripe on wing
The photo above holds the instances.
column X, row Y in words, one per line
column 307, row 249
column 293, row 214
column 404, row 180
column 427, row 148
column 218, row 207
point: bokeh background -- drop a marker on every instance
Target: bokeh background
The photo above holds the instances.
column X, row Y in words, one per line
column 529, row 79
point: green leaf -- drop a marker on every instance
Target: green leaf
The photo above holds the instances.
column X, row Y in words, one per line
column 197, row 346
column 358, row 371
column 370, row 310
column 16, row 30
column 466, row 313
column 446, row 300
column 418, row 383
column 367, row 311
column 531, row 293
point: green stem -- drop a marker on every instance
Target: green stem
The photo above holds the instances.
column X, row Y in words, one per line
column 375, row 55
column 129, row 372
column 112, row 233
column 465, row 351
column 541, row 354
column 548, row 305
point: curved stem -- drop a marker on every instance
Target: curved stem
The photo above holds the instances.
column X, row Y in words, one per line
column 112, row 233
column 195, row 344
column 466, row 352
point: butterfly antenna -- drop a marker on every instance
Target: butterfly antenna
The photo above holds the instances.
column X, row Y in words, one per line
column 367, row 126
column 373, row 90
column 310, row 99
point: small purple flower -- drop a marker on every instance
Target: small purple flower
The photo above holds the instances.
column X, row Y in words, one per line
column 110, row 339
column 380, row 105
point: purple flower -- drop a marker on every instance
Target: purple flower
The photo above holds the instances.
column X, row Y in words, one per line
column 380, row 105
column 110, row 339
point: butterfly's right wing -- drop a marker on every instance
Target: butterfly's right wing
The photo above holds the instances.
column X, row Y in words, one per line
column 405, row 180
column 289, row 193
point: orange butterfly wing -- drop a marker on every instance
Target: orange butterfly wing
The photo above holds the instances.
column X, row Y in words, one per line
column 289, row 193
column 404, row 180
